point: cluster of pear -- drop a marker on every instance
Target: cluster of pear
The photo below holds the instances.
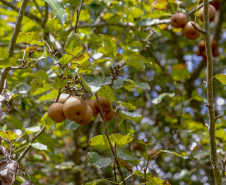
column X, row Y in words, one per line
column 77, row 109
column 202, row 51
column 179, row 20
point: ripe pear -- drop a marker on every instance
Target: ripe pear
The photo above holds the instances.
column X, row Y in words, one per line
column 75, row 108
column 212, row 13
column 108, row 115
column 190, row 32
column 93, row 104
column 87, row 118
column 56, row 113
column 178, row 20
column 104, row 103
column 201, row 45
column 63, row 97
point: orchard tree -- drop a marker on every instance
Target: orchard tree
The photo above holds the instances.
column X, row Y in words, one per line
column 112, row 92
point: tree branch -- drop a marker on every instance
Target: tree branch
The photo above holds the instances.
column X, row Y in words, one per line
column 27, row 14
column 112, row 149
column 13, row 40
column 29, row 146
column 78, row 14
column 210, row 97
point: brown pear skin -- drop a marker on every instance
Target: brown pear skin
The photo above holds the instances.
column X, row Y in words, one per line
column 108, row 115
column 63, row 97
column 87, row 118
column 190, row 32
column 75, row 108
column 212, row 13
column 104, row 103
column 178, row 20
column 93, row 104
column 56, row 113
column 201, row 45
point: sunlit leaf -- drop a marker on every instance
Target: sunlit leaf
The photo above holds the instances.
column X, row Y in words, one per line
column 161, row 96
column 4, row 53
column 144, row 142
column 19, row 89
column 31, row 130
column 10, row 135
column 174, row 153
column 221, row 78
column 65, row 59
column 106, row 92
column 8, row 62
column 58, row 9
column 93, row 82
column 73, row 44
column 127, row 105
column 54, row 24
column 132, row 116
column 121, row 140
column 49, row 96
column 39, row 146
column 100, row 142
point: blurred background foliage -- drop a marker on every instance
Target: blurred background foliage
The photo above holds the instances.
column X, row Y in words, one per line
column 166, row 86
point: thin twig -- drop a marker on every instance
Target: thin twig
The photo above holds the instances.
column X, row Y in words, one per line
column 106, row 133
column 27, row 14
column 29, row 146
column 13, row 39
column 145, row 170
column 78, row 14
column 210, row 97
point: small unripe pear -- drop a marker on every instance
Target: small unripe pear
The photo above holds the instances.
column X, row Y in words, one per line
column 56, row 113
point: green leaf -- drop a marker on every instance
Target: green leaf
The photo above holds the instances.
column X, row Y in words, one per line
column 108, row 42
column 95, row 182
column 142, row 85
column 31, row 130
column 180, row 72
column 127, row 157
column 20, row 89
column 4, row 53
column 44, row 55
column 47, row 121
column 93, row 82
column 35, row 84
column 65, row 59
column 70, row 125
column 54, row 24
column 132, row 116
column 154, row 180
column 161, row 96
column 78, row 61
column 127, row 105
column 52, row 95
column 73, row 44
column 30, row 38
column 106, row 92
column 46, row 87
column 174, row 153
column 96, row 160
column 58, row 9
column 221, row 78
column 60, row 83
column 39, row 146
column 133, row 61
column 99, row 142
column 121, row 140
column 8, row 62
column 144, row 142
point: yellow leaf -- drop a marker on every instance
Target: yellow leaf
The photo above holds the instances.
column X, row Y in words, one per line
column 79, row 60
column 32, row 48
column 176, row 29
column 160, row 4
column 125, row 165
column 10, row 135
column 162, row 26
